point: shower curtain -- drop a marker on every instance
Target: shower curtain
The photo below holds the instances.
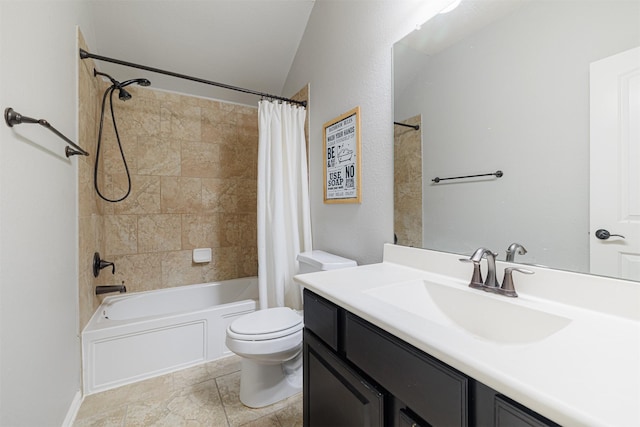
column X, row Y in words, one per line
column 284, row 219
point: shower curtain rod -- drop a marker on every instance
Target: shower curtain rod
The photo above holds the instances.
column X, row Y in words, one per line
column 84, row 55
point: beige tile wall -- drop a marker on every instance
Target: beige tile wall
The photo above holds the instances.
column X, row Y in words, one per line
column 407, row 192
column 90, row 214
column 193, row 166
column 304, row 95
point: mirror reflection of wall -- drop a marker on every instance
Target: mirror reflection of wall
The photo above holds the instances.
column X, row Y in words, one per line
column 511, row 96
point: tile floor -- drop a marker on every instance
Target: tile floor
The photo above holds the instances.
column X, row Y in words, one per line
column 205, row 395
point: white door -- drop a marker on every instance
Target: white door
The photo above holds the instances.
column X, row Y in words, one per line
column 615, row 165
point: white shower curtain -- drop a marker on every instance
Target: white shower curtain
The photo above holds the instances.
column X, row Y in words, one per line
column 284, row 220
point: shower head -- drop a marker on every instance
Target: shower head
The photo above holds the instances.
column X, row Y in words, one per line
column 141, row 82
column 123, row 94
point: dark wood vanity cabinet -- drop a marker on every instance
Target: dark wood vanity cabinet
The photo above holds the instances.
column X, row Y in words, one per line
column 356, row 374
column 335, row 393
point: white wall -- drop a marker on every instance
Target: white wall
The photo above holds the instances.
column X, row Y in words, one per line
column 515, row 97
column 345, row 55
column 40, row 353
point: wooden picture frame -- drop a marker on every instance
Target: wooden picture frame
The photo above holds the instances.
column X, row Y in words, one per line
column 342, row 166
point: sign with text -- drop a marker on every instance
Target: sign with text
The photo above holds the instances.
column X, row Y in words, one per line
column 341, row 136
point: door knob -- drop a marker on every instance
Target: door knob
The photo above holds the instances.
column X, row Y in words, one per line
column 603, row 234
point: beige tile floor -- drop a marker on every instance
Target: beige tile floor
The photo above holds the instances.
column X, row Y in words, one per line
column 205, row 395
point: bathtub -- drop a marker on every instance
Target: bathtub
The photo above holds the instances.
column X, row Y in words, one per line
column 140, row 335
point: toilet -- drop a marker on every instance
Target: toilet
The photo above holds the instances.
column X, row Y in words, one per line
column 270, row 342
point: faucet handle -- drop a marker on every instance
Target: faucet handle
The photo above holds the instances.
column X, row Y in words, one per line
column 476, row 279
column 507, row 288
column 99, row 264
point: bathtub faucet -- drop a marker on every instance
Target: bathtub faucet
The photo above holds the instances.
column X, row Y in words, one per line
column 111, row 288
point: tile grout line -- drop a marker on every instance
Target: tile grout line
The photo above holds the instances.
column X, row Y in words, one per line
column 126, row 414
column 224, row 408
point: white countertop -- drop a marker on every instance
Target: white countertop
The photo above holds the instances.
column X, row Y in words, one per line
column 587, row 373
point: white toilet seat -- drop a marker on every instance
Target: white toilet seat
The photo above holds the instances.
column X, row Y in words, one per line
column 273, row 350
column 268, row 324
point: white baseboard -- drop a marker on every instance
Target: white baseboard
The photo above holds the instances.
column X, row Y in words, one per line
column 73, row 410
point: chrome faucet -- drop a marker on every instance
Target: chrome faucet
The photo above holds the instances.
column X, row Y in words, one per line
column 491, row 282
column 513, row 248
column 476, row 279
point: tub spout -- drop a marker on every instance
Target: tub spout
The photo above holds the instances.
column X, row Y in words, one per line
column 108, row 289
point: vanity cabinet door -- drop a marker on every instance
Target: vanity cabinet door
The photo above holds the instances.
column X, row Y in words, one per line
column 509, row 414
column 434, row 391
column 408, row 419
column 334, row 394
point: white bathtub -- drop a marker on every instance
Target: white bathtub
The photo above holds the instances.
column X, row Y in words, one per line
column 136, row 336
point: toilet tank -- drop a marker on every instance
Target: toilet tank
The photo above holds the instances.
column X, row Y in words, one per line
column 322, row 261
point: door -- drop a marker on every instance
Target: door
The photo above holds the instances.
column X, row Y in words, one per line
column 615, row 166
column 334, row 394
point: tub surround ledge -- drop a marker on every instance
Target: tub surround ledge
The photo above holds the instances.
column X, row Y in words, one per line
column 586, row 372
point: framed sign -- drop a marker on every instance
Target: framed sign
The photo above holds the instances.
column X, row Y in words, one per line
column 342, row 174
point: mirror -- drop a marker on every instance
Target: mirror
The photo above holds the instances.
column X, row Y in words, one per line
column 505, row 86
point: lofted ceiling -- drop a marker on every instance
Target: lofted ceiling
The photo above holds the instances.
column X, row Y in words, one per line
column 245, row 43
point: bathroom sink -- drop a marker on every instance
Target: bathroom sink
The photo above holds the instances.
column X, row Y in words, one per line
column 483, row 315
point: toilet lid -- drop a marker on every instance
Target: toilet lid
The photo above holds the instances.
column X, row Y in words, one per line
column 272, row 321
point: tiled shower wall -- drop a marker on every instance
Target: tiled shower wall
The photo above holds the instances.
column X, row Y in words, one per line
column 407, row 193
column 90, row 218
column 193, row 167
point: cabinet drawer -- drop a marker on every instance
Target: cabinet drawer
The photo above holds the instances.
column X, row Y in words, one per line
column 432, row 390
column 321, row 318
